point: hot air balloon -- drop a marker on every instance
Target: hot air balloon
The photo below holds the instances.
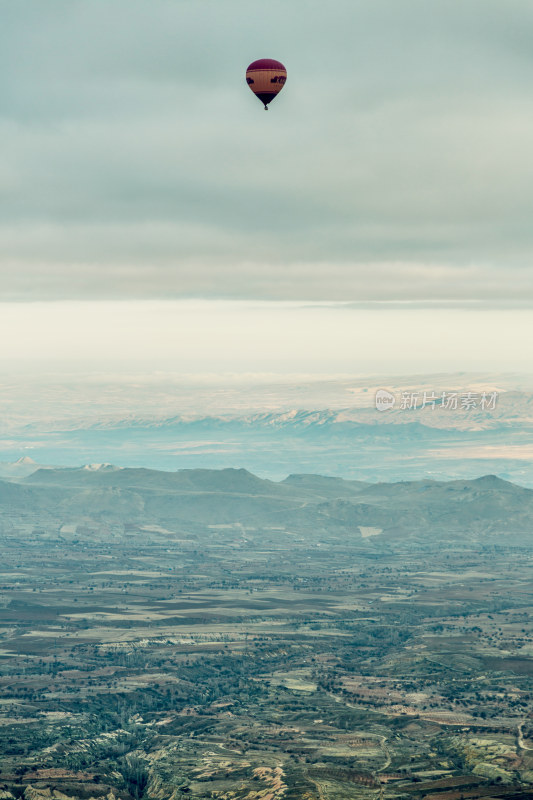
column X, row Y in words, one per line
column 266, row 78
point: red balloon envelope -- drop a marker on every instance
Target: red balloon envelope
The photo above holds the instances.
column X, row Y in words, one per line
column 266, row 78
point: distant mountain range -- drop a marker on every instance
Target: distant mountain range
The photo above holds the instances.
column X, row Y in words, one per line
column 276, row 428
column 307, row 504
column 353, row 444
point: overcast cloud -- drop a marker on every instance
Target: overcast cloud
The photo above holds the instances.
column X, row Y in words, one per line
column 396, row 164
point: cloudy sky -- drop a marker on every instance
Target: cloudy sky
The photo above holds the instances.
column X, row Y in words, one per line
column 396, row 163
column 395, row 166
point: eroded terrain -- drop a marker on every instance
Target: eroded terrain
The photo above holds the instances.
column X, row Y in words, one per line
column 208, row 634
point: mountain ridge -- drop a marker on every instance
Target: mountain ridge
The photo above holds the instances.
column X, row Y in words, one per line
column 306, row 504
